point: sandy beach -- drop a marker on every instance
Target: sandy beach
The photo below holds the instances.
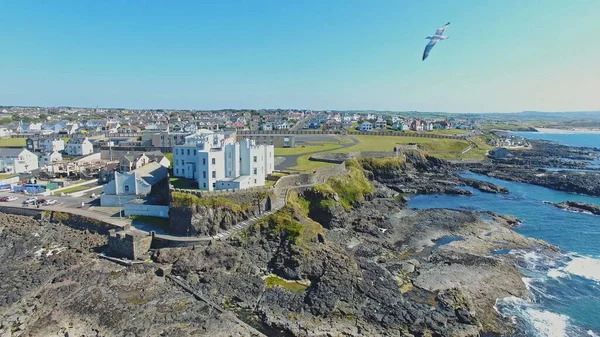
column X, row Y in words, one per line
column 572, row 130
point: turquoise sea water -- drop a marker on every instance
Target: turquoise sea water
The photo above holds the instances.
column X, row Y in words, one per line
column 571, row 139
column 565, row 286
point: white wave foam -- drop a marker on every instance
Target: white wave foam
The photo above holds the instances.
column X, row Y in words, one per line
column 548, row 323
column 591, row 333
column 556, row 273
column 545, row 323
column 584, row 266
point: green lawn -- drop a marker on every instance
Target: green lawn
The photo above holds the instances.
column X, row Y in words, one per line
column 353, row 127
column 448, row 132
column 150, row 220
column 12, row 142
column 308, row 166
column 387, row 143
column 303, row 149
column 20, row 141
column 75, row 189
column 7, row 175
column 184, row 183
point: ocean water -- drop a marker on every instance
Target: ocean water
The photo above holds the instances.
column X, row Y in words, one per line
column 571, row 139
column 565, row 287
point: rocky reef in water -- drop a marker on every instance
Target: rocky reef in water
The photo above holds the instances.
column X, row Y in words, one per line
column 579, row 207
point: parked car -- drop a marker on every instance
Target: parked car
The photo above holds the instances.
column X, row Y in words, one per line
column 11, row 198
column 50, row 202
column 30, row 200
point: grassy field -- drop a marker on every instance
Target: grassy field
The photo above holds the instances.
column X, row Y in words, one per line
column 303, row 149
column 75, row 189
column 305, row 165
column 449, row 132
column 7, row 175
column 19, row 141
column 449, row 149
column 12, row 142
column 183, row 183
column 387, row 143
column 509, row 127
column 150, row 220
column 353, row 127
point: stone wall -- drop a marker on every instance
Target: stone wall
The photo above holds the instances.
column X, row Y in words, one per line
column 78, row 222
column 341, row 157
column 33, row 212
column 128, row 244
column 159, row 211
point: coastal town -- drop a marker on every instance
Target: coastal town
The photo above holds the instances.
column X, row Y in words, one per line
column 82, row 152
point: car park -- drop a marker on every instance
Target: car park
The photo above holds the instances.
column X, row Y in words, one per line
column 30, row 200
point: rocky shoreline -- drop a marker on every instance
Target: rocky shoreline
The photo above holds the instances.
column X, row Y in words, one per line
column 346, row 258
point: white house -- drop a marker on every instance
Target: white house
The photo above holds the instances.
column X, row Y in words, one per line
column 365, row 126
column 17, row 160
column 48, row 158
column 4, row 132
column 380, row 123
column 71, row 128
column 35, row 127
column 400, row 126
column 79, row 147
column 216, row 161
column 51, row 144
column 128, row 186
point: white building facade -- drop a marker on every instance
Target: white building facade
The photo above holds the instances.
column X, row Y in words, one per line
column 17, row 160
column 79, row 147
column 51, row 144
column 216, row 161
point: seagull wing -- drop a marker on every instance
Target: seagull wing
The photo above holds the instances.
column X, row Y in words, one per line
column 428, row 48
column 441, row 30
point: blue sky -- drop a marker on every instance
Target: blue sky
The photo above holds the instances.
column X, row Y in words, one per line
column 508, row 55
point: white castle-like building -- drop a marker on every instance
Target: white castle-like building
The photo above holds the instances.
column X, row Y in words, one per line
column 217, row 162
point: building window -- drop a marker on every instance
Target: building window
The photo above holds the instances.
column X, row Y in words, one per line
column 214, row 174
column 214, row 185
column 175, row 151
column 203, row 174
column 203, row 161
column 126, row 188
column 255, row 181
column 254, row 159
column 188, row 151
column 176, row 171
column 255, row 170
column 194, row 152
column 182, row 171
column 214, row 161
column 204, row 185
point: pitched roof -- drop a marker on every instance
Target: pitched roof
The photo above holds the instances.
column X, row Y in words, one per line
column 152, row 173
column 10, row 152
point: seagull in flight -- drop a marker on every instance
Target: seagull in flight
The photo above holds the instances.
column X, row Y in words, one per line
column 434, row 39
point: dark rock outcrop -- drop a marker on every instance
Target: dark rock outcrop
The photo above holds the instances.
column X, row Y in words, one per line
column 575, row 206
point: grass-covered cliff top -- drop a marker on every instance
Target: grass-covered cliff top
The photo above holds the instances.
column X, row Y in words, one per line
column 291, row 222
column 351, row 188
column 180, row 199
